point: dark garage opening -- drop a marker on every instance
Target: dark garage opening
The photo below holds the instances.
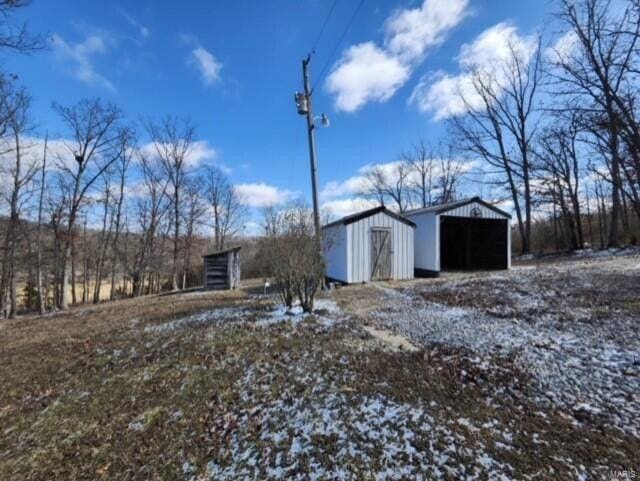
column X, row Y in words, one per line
column 468, row 243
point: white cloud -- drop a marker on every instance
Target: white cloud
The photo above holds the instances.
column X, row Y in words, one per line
column 81, row 56
column 411, row 32
column 336, row 209
column 199, row 152
column 59, row 152
column 563, row 47
column 334, row 189
column 263, row 195
column 143, row 31
column 345, row 197
column 208, row 66
column 446, row 95
column 367, row 72
column 358, row 184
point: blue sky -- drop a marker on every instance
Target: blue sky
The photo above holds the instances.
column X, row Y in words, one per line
column 233, row 68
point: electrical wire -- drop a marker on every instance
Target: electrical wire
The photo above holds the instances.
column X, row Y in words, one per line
column 337, row 45
column 324, row 24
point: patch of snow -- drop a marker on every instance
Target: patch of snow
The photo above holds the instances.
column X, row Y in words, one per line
column 296, row 315
column 221, row 315
column 571, row 358
column 333, row 435
column 136, row 426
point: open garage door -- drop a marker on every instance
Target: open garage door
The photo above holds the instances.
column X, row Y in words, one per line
column 467, row 243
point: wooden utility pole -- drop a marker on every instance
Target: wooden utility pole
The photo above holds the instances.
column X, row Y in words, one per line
column 304, row 107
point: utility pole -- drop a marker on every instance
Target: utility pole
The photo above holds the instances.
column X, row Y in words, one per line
column 303, row 102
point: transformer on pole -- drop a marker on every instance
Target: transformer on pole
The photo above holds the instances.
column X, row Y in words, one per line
column 303, row 104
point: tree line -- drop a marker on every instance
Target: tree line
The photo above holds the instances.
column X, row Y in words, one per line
column 96, row 213
column 102, row 209
column 555, row 130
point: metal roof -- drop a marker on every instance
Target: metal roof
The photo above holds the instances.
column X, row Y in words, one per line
column 224, row 251
column 442, row 208
column 350, row 219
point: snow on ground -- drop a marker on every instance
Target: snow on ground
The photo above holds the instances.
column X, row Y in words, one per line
column 226, row 315
column 324, row 309
column 295, row 314
column 586, row 253
column 331, row 434
column 580, row 358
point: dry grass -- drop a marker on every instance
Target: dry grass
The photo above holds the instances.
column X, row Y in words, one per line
column 91, row 394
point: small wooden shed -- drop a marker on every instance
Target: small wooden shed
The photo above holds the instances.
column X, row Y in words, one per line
column 376, row 244
column 222, row 270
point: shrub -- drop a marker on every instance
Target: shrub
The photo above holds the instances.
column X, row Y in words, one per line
column 291, row 255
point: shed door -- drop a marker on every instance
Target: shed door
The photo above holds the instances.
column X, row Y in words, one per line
column 380, row 254
column 470, row 244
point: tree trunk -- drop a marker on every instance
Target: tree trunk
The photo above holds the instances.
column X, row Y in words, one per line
column 176, row 233
column 104, row 241
column 12, row 233
column 116, row 238
column 41, row 298
column 64, row 304
column 74, row 298
column 589, row 219
column 614, row 235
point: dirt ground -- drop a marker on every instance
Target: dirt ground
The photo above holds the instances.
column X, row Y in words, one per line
column 526, row 374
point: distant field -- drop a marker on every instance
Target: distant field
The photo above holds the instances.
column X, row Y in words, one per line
column 527, row 374
column 105, row 291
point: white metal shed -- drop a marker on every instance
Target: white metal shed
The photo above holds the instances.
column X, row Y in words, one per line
column 470, row 234
column 375, row 244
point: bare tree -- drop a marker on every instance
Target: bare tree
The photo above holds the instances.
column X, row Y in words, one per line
column 96, row 145
column 21, row 173
column 194, row 209
column 57, row 201
column 390, row 184
column 43, row 176
column 173, row 140
column 270, row 220
column 500, row 123
column 16, row 37
column 122, row 167
column 422, row 165
column 151, row 209
column 559, row 169
column 449, row 176
column 105, row 234
column 228, row 211
column 598, row 78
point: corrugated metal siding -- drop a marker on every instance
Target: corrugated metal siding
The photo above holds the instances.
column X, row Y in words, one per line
column 359, row 247
column 427, row 241
column 465, row 211
column 334, row 241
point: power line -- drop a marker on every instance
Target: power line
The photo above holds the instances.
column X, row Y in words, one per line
column 324, row 24
column 337, row 44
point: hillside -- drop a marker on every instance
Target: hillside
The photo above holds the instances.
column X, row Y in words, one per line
column 375, row 385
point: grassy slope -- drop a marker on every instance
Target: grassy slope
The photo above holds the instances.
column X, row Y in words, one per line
column 91, row 394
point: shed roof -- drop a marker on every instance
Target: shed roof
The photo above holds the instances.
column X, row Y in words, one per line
column 442, row 208
column 224, row 251
column 350, row 219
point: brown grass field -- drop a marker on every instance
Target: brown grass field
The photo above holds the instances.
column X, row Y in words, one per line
column 215, row 386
